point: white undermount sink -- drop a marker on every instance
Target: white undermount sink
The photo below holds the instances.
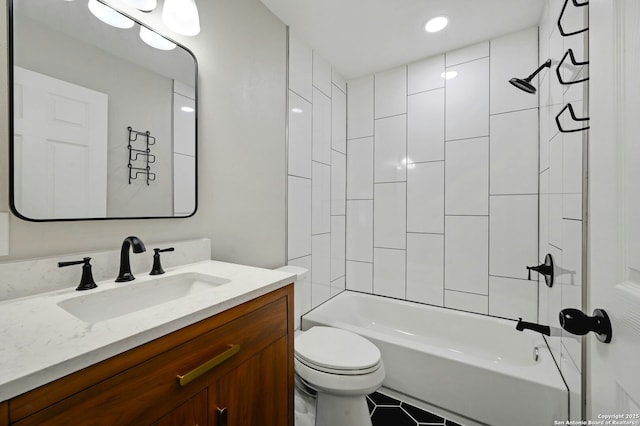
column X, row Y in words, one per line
column 138, row 295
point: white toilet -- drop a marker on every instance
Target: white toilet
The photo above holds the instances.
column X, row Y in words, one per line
column 342, row 367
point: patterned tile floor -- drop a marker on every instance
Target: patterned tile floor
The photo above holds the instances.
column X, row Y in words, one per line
column 387, row 411
column 384, row 410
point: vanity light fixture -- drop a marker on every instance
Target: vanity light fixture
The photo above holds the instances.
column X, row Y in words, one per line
column 143, row 5
column 448, row 75
column 181, row 16
column 154, row 39
column 436, row 24
column 108, row 15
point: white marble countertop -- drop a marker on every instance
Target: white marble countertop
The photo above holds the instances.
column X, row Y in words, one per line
column 41, row 342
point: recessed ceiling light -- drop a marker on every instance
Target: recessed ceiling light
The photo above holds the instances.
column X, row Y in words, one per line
column 449, row 75
column 436, row 24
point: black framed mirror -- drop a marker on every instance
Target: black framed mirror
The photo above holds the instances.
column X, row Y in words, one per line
column 103, row 118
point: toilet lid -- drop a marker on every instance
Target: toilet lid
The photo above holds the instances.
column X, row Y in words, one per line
column 336, row 349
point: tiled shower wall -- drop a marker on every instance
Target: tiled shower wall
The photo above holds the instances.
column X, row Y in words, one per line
column 442, row 180
column 316, row 175
column 561, row 185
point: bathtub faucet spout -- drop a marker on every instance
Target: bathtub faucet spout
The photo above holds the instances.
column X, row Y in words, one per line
column 523, row 325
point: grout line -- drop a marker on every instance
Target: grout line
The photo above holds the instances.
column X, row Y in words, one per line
column 360, row 137
column 467, row 292
column 406, row 186
column 300, row 96
column 299, row 257
column 422, row 91
column 511, row 112
column 466, row 215
column 427, row 162
column 299, row 177
column 390, row 116
column 425, row 233
column 465, row 139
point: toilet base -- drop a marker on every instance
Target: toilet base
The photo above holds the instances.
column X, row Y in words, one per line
column 341, row 410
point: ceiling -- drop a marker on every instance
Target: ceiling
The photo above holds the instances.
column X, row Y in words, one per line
column 359, row 37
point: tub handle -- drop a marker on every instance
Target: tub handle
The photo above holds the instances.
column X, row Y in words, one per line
column 536, row 354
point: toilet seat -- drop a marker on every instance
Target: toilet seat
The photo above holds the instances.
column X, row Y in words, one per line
column 336, row 351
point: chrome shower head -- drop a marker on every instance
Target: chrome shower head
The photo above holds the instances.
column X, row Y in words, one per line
column 524, row 84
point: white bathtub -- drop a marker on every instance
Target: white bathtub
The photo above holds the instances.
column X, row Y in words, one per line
column 478, row 367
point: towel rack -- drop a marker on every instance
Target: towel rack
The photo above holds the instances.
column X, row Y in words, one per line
column 141, row 154
column 574, row 62
column 576, row 3
column 573, row 117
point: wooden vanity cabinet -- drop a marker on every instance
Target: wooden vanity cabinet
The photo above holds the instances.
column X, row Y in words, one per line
column 254, row 386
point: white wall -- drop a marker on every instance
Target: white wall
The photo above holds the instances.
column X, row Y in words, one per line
column 442, row 180
column 241, row 54
column 561, row 187
column 316, row 175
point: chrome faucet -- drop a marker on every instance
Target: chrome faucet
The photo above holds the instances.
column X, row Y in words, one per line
column 125, row 267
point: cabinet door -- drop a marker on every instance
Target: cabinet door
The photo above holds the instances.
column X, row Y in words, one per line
column 191, row 413
column 255, row 393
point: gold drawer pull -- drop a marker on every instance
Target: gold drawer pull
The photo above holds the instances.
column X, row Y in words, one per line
column 213, row 362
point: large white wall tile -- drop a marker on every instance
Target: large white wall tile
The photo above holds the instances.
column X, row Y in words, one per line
column 389, row 272
column 555, row 164
column 319, row 294
column 513, row 242
column 543, row 239
column 389, row 214
column 425, row 197
column 360, row 230
column 466, row 302
column 299, row 217
column 467, row 177
column 466, row 253
column 556, row 51
column 425, row 268
column 338, row 286
column 299, row 136
column 510, row 298
column 555, row 220
column 466, row 54
column 321, row 199
column 390, row 149
column 425, row 126
column 572, row 206
column 338, row 120
column 572, row 163
column 321, row 259
column 391, row 92
column 360, row 107
column 545, row 129
column 360, row 276
column 571, row 268
column 338, row 80
column 300, row 67
column 321, row 74
column 514, row 152
column 467, row 101
column 338, row 183
column 302, row 290
column 425, row 74
column 360, row 169
column 513, row 55
column 321, row 127
column 338, row 241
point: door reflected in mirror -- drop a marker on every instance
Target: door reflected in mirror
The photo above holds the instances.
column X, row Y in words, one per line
column 78, row 85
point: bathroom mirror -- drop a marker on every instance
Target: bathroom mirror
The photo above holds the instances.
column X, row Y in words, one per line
column 103, row 125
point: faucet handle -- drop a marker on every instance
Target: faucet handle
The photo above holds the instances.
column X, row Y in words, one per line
column 157, row 267
column 86, row 281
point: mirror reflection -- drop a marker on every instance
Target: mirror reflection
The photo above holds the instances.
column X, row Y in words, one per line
column 104, row 115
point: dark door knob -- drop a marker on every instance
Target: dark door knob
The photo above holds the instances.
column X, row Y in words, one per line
column 577, row 322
